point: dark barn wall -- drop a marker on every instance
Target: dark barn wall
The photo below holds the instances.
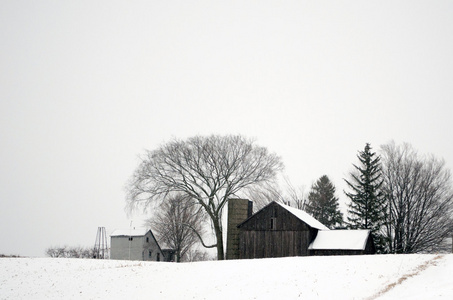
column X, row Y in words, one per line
column 288, row 237
column 370, row 247
column 264, row 244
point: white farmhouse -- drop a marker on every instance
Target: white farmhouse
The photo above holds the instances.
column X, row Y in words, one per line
column 135, row 244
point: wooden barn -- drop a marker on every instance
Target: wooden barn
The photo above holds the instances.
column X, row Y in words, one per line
column 279, row 230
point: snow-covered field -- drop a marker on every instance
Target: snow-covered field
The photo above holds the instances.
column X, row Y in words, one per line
column 334, row 277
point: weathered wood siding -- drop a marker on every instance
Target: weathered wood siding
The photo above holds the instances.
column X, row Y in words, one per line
column 289, row 236
column 262, row 244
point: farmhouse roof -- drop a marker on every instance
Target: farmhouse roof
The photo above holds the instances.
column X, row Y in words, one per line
column 305, row 217
column 340, row 240
column 130, row 232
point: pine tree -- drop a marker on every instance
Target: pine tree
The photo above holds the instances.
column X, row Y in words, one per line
column 367, row 208
column 322, row 203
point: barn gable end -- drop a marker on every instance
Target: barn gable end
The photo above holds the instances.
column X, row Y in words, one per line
column 274, row 231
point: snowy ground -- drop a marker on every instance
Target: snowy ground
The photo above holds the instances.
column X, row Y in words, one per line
column 334, row 277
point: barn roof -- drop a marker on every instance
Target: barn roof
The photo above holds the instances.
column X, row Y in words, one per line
column 305, row 217
column 340, row 240
column 130, row 232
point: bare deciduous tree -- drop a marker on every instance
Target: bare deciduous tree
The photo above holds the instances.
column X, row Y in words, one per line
column 209, row 170
column 56, row 251
column 420, row 200
column 263, row 195
column 177, row 223
column 295, row 196
column 287, row 194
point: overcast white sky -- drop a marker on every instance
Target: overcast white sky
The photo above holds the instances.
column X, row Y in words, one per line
column 86, row 86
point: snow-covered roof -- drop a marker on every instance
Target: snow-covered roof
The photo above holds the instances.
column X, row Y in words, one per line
column 305, row 217
column 340, row 240
column 130, row 232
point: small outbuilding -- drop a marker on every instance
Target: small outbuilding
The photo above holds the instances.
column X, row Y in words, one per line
column 342, row 242
column 169, row 255
column 135, row 244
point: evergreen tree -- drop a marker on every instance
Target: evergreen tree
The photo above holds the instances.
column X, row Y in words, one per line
column 322, row 203
column 367, row 208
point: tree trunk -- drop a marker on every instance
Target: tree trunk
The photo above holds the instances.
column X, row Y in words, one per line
column 219, row 238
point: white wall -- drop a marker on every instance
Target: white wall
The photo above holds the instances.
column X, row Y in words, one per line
column 136, row 249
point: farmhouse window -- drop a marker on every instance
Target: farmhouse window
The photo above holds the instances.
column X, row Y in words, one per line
column 150, row 253
column 147, row 239
column 158, row 256
column 130, row 238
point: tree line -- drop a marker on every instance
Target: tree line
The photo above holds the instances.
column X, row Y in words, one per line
column 404, row 198
column 70, row 252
